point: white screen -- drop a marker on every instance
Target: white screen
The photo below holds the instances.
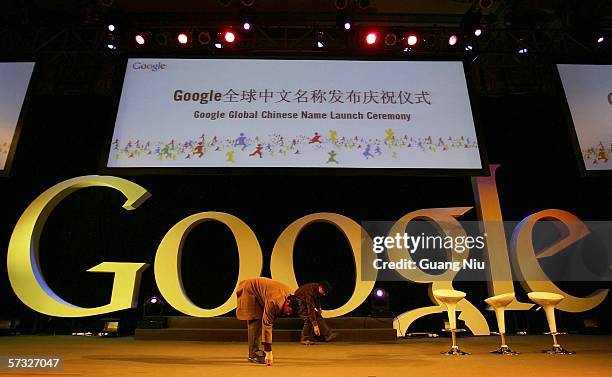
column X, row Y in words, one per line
column 294, row 113
column 588, row 89
column 14, row 80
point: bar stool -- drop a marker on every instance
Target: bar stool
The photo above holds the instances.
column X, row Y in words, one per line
column 450, row 298
column 499, row 304
column 548, row 301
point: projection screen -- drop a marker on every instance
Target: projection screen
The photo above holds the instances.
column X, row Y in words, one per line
column 226, row 113
column 588, row 89
column 14, row 81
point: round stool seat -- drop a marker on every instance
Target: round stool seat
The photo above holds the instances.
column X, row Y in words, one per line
column 449, row 296
column 500, row 301
column 545, row 298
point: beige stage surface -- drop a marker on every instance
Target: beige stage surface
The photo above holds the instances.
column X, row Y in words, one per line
column 124, row 357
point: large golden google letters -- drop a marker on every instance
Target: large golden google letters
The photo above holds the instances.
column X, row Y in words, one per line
column 30, row 286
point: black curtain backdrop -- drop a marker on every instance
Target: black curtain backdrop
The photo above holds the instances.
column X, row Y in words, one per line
column 63, row 137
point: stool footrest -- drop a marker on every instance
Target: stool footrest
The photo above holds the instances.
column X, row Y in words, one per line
column 453, row 330
column 504, row 351
column 558, row 350
column 455, row 351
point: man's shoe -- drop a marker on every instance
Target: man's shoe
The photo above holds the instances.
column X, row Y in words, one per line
column 331, row 336
column 308, row 342
column 257, row 359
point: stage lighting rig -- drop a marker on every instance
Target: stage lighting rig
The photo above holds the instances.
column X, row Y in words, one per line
column 379, row 301
column 453, row 39
column 321, row 40
column 183, row 38
column 371, row 38
column 390, row 39
column 204, row 38
column 143, row 38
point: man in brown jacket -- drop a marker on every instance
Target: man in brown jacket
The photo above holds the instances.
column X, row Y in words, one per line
column 260, row 302
column 310, row 294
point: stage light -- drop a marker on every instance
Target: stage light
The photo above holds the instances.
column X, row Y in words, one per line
column 390, row 39
column 340, row 4
column 246, row 26
column 111, row 27
column 204, row 38
column 111, row 46
column 379, row 300
column 141, row 39
column 478, row 32
column 469, row 48
column 601, row 39
column 347, row 25
column 218, row 45
column 321, row 42
column 229, row 37
column 523, row 50
column 153, row 306
column 412, row 39
column 161, row 39
column 452, row 40
column 363, row 3
column 371, row 38
column 182, row 38
column 110, row 327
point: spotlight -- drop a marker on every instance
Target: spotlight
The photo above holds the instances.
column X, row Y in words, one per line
column 469, row 48
column 143, row 38
column 183, row 38
column 229, row 37
column 371, row 38
column 412, row 40
column 111, row 46
column 379, row 300
column 523, row 50
column 347, row 25
column 601, row 39
column 340, row 4
column 363, row 3
column 204, row 37
column 390, row 39
column 452, row 40
column 321, row 39
column 110, row 327
column 478, row 31
column 111, row 27
column 153, row 306
column 161, row 39
column 218, row 45
column 246, row 26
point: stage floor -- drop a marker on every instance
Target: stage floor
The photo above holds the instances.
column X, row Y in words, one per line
column 92, row 356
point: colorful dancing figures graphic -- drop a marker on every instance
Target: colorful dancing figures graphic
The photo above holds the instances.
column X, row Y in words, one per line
column 333, row 135
column 601, row 153
column 367, row 154
column 390, row 136
column 199, row 149
column 229, row 157
column 241, row 140
column 332, row 157
column 315, row 139
column 258, row 151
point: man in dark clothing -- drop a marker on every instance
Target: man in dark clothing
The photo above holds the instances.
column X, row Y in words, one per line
column 310, row 294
